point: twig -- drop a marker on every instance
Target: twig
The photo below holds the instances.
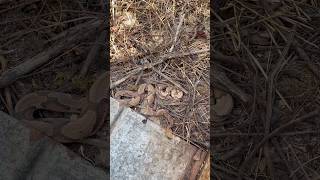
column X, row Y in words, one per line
column 19, row 6
column 271, row 81
column 151, row 65
column 296, row 157
column 23, row 33
column 303, row 55
column 76, row 36
column 51, row 13
column 302, row 165
column 268, row 159
column 263, row 134
column 6, row 52
column 218, row 167
column 277, row 146
column 272, row 134
column 233, row 152
column 265, row 75
column 270, row 101
column 171, row 80
column 221, row 77
column 177, row 32
column 9, row 103
column 93, row 53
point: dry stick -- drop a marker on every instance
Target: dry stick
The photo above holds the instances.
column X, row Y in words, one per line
column 229, row 171
column 23, row 33
column 272, row 134
column 277, row 146
column 221, row 77
column 76, row 35
column 44, row 3
column 303, row 55
column 228, row 27
column 266, row 151
column 177, row 32
column 265, row 75
column 270, row 101
column 9, row 103
column 151, row 65
column 138, row 79
column 302, row 165
column 254, row 59
column 19, row 6
column 263, row 134
column 274, row 74
column 316, row 175
column 224, row 58
column 232, row 153
column 170, row 50
column 46, row 67
column 296, row 157
column 93, row 53
column 6, row 52
column 170, row 80
column 47, row 14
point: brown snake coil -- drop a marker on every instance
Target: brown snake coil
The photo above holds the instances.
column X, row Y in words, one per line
column 88, row 114
column 146, row 95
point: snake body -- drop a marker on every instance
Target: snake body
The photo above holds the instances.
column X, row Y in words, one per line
column 87, row 113
column 224, row 103
column 145, row 95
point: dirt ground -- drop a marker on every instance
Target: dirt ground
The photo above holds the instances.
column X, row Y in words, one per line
column 270, row 51
column 44, row 45
column 164, row 44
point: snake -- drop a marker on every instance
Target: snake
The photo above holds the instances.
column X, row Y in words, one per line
column 86, row 114
column 146, row 95
column 223, row 103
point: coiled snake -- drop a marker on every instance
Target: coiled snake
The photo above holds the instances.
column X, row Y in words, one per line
column 88, row 114
column 146, row 95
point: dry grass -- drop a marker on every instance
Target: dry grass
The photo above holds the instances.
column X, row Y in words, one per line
column 28, row 28
column 270, row 50
column 142, row 31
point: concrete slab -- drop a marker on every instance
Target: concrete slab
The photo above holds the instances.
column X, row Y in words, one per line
column 27, row 155
column 115, row 110
column 138, row 150
column 141, row 150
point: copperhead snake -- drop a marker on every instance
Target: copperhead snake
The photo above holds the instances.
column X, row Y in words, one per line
column 223, row 104
column 88, row 114
column 146, row 95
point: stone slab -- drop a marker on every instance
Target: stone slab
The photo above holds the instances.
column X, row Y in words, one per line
column 29, row 156
column 115, row 110
column 142, row 151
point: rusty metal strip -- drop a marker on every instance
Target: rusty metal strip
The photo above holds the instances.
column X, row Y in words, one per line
column 194, row 169
column 205, row 170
